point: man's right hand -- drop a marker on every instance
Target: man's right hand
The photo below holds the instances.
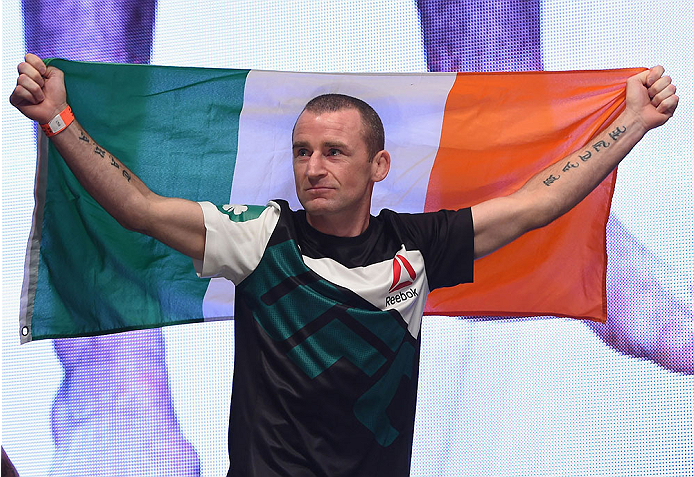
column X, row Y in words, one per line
column 40, row 91
column 40, row 95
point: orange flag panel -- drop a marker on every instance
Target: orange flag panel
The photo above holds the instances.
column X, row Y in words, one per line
column 498, row 131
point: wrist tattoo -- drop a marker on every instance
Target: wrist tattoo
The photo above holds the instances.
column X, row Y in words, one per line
column 616, row 133
column 84, row 137
column 99, row 151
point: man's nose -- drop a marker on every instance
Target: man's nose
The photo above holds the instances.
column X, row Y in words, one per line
column 315, row 166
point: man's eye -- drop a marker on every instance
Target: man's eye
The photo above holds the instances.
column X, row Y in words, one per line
column 302, row 152
column 334, row 152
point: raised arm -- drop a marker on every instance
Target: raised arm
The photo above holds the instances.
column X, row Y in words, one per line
column 40, row 95
column 650, row 102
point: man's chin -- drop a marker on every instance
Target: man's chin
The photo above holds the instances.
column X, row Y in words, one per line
column 316, row 206
column 317, row 210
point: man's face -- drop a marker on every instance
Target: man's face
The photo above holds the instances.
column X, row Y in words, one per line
column 332, row 169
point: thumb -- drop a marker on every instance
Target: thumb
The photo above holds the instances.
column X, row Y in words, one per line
column 53, row 73
column 641, row 79
column 647, row 77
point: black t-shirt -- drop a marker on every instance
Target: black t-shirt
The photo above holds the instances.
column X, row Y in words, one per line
column 327, row 334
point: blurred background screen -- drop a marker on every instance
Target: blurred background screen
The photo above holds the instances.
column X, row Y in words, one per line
column 540, row 397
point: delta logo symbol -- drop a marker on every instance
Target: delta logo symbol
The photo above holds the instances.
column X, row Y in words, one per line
column 403, row 274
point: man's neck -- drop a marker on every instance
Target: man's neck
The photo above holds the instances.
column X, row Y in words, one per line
column 339, row 226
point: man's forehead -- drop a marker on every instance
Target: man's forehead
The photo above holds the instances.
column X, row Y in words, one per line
column 344, row 115
column 326, row 122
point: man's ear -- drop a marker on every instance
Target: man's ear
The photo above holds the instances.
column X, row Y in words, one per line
column 380, row 166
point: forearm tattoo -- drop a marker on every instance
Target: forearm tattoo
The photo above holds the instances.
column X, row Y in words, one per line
column 98, row 151
column 587, row 155
column 550, row 179
column 117, row 165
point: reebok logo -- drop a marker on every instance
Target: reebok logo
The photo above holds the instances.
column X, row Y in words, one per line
column 403, row 276
column 401, row 296
column 400, row 276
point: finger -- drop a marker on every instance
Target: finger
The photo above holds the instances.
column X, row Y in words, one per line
column 668, row 91
column 653, row 75
column 30, row 85
column 36, row 62
column 668, row 105
column 659, row 85
column 27, row 69
column 21, row 96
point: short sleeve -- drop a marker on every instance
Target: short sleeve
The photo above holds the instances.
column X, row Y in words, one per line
column 235, row 239
column 446, row 240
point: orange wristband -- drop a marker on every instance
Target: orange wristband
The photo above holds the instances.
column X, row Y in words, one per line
column 58, row 123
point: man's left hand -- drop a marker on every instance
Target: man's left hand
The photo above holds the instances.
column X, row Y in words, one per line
column 651, row 97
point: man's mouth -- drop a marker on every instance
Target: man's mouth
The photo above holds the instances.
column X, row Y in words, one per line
column 318, row 190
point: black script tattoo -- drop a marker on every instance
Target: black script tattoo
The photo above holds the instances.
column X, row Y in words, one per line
column 600, row 144
column 84, row 137
column 570, row 165
column 99, row 151
column 126, row 174
column 113, row 162
column 617, row 132
column 586, row 157
column 550, row 179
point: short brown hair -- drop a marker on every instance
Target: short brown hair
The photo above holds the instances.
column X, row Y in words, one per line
column 374, row 135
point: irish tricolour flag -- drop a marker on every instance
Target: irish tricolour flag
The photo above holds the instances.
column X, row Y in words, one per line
column 225, row 136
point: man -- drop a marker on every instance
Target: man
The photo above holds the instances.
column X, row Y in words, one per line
column 326, row 369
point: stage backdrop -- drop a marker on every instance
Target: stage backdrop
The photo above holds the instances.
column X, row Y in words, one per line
column 550, row 397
